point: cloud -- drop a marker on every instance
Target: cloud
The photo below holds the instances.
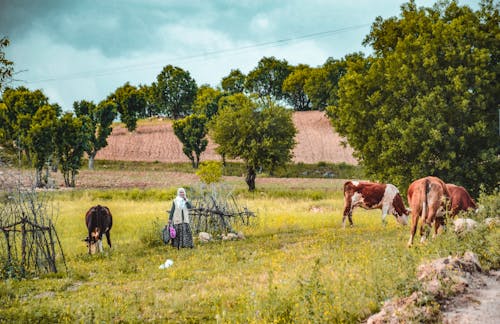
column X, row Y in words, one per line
column 76, row 50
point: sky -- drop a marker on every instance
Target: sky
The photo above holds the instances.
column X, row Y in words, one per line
column 85, row 49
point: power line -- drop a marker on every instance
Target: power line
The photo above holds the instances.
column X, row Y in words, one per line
column 205, row 55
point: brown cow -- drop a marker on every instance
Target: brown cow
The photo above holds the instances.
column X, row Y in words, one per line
column 371, row 195
column 99, row 221
column 459, row 199
column 428, row 198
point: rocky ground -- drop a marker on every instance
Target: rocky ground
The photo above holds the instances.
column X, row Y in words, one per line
column 459, row 290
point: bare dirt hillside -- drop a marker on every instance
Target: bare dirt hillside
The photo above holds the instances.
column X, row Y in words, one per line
column 316, row 142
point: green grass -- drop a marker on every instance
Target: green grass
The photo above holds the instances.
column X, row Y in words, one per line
column 296, row 264
column 291, row 170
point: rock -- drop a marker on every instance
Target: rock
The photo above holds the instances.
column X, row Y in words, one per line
column 441, row 279
column 204, row 237
column 464, row 225
column 229, row 237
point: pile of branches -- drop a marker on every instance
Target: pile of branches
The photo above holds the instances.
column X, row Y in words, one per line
column 29, row 242
column 217, row 211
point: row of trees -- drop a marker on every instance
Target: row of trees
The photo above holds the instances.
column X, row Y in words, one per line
column 175, row 93
column 425, row 103
column 43, row 134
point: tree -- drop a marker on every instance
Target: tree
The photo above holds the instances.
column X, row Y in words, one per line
column 176, row 91
column 322, row 85
column 293, row 88
column 266, row 80
column 20, row 105
column 100, row 120
column 192, row 131
column 72, row 137
column 426, row 102
column 130, row 103
column 41, row 139
column 234, row 82
column 6, row 66
column 149, row 93
column 263, row 137
column 207, row 101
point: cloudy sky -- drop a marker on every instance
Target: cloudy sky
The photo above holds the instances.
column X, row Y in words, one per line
column 75, row 50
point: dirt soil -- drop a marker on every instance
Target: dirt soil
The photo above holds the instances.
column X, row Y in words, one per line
column 316, row 142
column 479, row 305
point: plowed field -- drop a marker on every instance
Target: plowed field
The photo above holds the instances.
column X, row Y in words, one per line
column 316, row 142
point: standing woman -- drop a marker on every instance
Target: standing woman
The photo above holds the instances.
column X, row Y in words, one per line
column 179, row 217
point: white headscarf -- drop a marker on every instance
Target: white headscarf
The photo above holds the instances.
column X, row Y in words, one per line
column 179, row 201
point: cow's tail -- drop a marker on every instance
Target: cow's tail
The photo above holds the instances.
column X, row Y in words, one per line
column 425, row 204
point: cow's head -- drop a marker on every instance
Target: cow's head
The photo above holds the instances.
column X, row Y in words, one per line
column 93, row 240
column 403, row 217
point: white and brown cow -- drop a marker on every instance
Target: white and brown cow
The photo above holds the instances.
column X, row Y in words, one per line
column 99, row 221
column 428, row 198
column 459, row 199
column 371, row 195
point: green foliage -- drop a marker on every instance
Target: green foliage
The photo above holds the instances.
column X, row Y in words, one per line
column 426, row 103
column 149, row 94
column 294, row 88
column 234, row 82
column 192, row 131
column 41, row 139
column 176, row 91
column 6, row 66
column 266, row 80
column 260, row 137
column 20, row 105
column 322, row 85
column 71, row 141
column 210, row 172
column 207, row 101
column 130, row 103
column 489, row 205
column 150, row 236
column 100, row 119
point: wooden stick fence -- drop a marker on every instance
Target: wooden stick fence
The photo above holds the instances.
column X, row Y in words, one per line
column 216, row 211
column 29, row 244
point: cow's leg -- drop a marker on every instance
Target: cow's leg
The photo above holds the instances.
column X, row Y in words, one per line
column 90, row 242
column 425, row 229
column 347, row 211
column 385, row 211
column 108, row 238
column 413, row 230
column 99, row 245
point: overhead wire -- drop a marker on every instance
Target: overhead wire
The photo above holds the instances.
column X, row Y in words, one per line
column 204, row 55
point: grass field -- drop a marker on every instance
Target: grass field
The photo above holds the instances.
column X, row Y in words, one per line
column 296, row 264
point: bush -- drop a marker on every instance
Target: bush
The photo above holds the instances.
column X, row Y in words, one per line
column 210, row 171
column 151, row 235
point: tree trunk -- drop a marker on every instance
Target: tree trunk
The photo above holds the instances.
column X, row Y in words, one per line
column 39, row 178
column 197, row 162
column 250, row 178
column 73, row 176
column 91, row 160
column 66, row 178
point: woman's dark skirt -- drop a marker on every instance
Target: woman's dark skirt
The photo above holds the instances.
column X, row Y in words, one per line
column 183, row 237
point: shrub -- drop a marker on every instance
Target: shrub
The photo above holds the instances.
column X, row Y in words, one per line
column 210, row 172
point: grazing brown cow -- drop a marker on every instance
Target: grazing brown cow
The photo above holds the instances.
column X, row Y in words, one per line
column 459, row 199
column 371, row 195
column 428, row 198
column 99, row 221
